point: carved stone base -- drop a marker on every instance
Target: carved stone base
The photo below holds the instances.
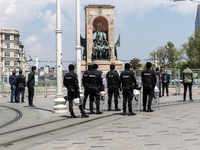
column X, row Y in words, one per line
column 59, row 106
column 104, row 66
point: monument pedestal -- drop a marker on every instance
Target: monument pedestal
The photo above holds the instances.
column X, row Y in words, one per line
column 104, row 66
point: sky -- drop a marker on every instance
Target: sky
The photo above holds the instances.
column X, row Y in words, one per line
column 144, row 25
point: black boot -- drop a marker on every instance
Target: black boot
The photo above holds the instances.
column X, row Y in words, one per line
column 131, row 113
column 98, row 112
column 117, row 109
column 72, row 115
column 149, row 110
column 124, row 113
column 84, row 115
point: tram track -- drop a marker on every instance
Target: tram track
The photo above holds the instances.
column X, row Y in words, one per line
column 19, row 115
column 53, row 123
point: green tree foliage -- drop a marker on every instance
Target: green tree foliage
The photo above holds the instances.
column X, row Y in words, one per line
column 168, row 56
column 192, row 49
column 135, row 63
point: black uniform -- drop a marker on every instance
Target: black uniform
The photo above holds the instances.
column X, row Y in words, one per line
column 71, row 83
column 127, row 79
column 85, row 84
column 149, row 81
column 113, row 84
column 20, row 84
column 94, row 85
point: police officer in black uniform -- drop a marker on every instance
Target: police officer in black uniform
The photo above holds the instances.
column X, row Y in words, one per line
column 113, row 84
column 149, row 81
column 95, row 84
column 71, row 83
column 85, row 84
column 127, row 79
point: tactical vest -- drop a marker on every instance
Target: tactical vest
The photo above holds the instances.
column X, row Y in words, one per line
column 148, row 77
column 93, row 77
column 127, row 80
column 112, row 78
column 187, row 75
column 85, row 76
column 69, row 79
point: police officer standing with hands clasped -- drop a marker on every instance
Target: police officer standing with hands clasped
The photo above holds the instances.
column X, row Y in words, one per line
column 71, row 83
column 127, row 79
column 149, row 81
column 95, row 84
column 113, row 83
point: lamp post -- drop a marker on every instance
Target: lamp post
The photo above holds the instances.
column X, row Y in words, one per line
column 59, row 106
column 78, row 44
column 156, row 58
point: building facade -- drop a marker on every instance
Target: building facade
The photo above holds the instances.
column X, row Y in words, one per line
column 197, row 19
column 11, row 54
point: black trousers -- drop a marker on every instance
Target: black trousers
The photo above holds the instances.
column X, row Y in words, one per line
column 185, row 90
column 94, row 93
column 127, row 96
column 163, row 87
column 30, row 94
column 20, row 89
column 71, row 96
column 86, row 93
column 147, row 90
column 112, row 91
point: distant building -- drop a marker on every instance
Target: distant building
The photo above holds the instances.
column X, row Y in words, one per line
column 197, row 19
column 11, row 49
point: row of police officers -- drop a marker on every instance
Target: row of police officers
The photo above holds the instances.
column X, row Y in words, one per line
column 92, row 82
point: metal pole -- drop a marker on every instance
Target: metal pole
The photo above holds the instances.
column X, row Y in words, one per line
column 156, row 58
column 59, row 106
column 78, row 44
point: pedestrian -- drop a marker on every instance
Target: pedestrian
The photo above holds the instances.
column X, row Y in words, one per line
column 85, row 84
column 165, row 82
column 20, row 83
column 127, row 79
column 149, row 81
column 95, row 84
column 31, row 84
column 12, row 79
column 70, row 81
column 158, row 74
column 187, row 81
column 113, row 84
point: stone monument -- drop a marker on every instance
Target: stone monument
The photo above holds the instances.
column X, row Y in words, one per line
column 99, row 43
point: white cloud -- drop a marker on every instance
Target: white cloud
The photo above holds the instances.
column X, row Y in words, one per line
column 30, row 40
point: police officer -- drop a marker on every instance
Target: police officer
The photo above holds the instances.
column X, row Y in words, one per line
column 85, row 84
column 20, row 83
column 71, row 83
column 113, row 84
column 149, row 81
column 187, row 81
column 95, row 84
column 127, row 79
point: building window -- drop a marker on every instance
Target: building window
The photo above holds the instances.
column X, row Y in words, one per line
column 197, row 20
column 7, row 54
column 7, row 45
column 16, row 46
column 16, row 37
column 16, row 63
column 7, row 63
column 16, row 55
column 7, row 37
column 5, row 79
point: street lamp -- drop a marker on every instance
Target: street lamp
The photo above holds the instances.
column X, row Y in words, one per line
column 59, row 106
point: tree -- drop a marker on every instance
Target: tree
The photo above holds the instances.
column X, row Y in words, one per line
column 135, row 63
column 161, row 56
column 192, row 49
column 173, row 55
